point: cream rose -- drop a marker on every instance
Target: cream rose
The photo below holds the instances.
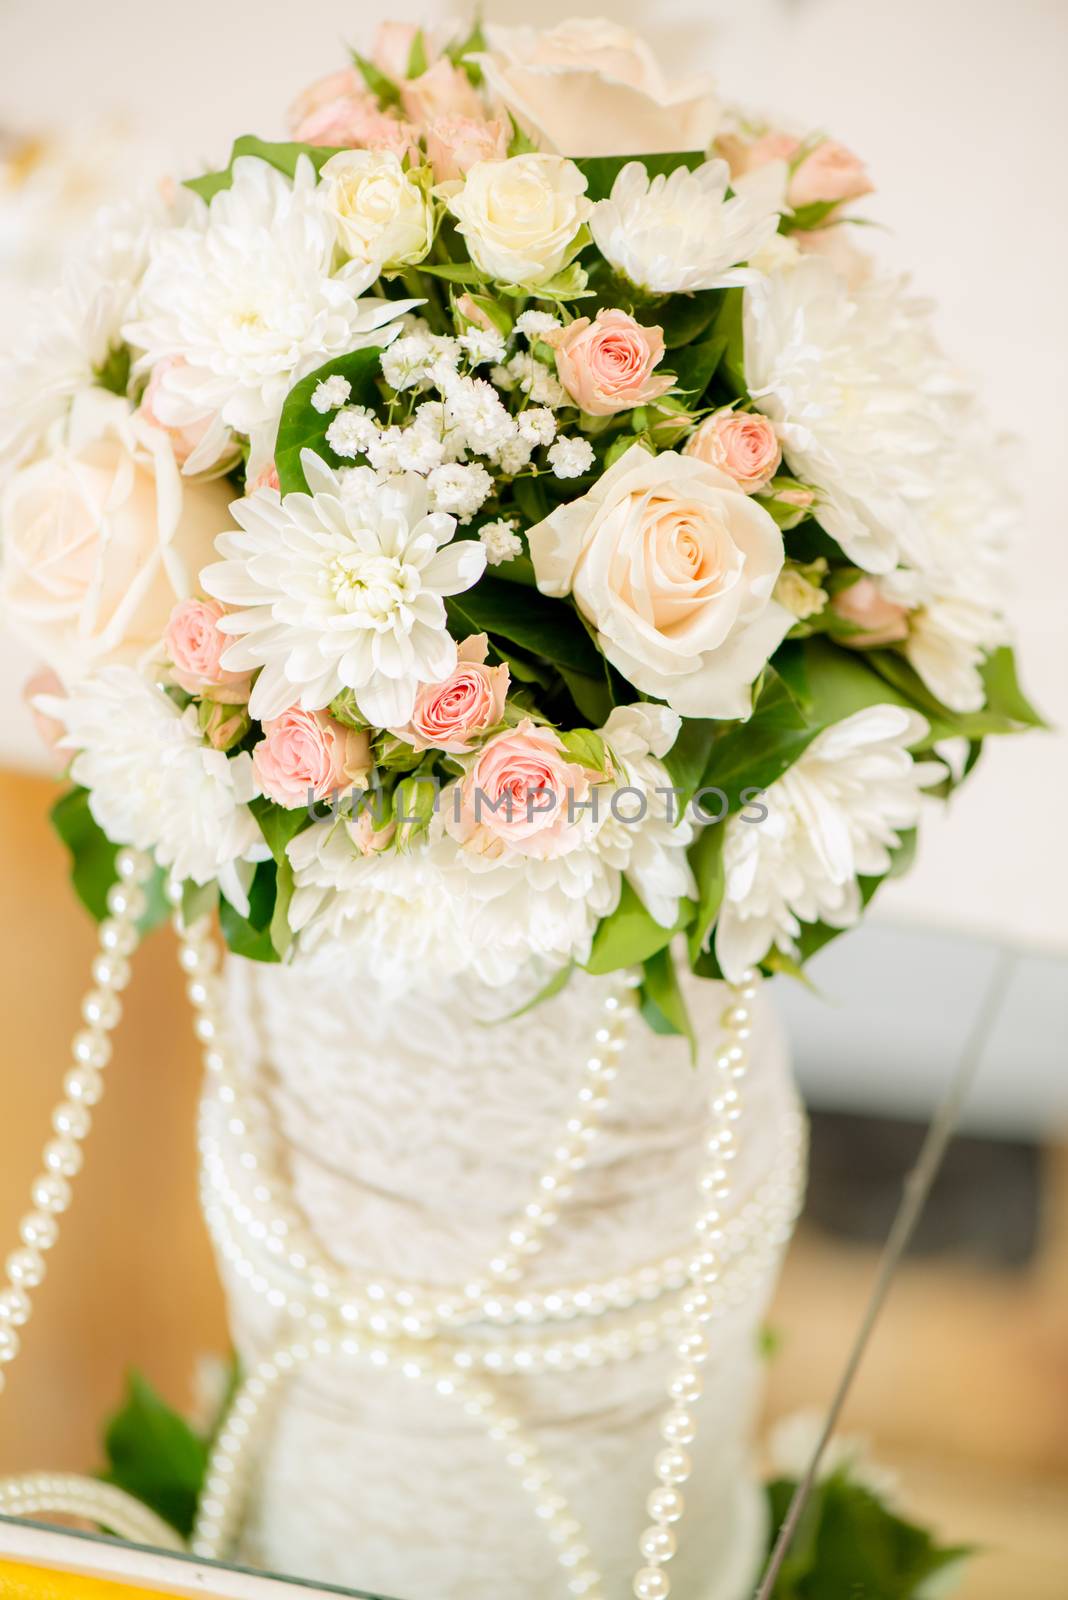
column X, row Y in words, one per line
column 590, row 87
column 674, row 567
column 101, row 538
column 383, row 217
column 520, row 217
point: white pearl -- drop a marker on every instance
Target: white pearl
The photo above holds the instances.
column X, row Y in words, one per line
column 51, row 1192
column 110, row 970
column 126, row 900
column 650, row 1583
column 117, row 936
column 83, row 1085
column 657, row 1543
column 9, row 1343
column 63, row 1156
column 15, row 1307
column 26, row 1268
column 665, row 1505
column 38, row 1230
column 678, row 1427
column 90, row 1048
column 102, row 1008
column 672, row 1465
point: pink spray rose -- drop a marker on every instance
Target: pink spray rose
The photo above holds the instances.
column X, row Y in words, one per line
column 450, row 715
column 880, row 620
column 194, row 647
column 607, row 365
column 830, row 172
column 337, row 89
column 266, row 478
column 454, row 143
column 307, row 750
column 49, row 730
column 441, row 91
column 524, row 773
column 184, row 437
column 742, row 444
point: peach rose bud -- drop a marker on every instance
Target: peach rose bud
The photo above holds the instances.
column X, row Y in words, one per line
column 441, row 91
column 880, row 620
column 337, row 89
column 607, row 365
column 455, row 143
column 742, row 444
column 194, row 646
column 48, row 729
column 184, row 439
column 747, row 155
column 831, row 172
column 522, row 793
column 452, row 714
column 304, row 752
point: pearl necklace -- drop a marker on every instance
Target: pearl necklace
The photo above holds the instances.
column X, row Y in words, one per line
column 417, row 1331
column 83, row 1086
column 51, row 1493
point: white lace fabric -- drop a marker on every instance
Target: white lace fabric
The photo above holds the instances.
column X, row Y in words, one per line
column 411, row 1134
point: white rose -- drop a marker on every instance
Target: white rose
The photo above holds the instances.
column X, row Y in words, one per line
column 382, row 216
column 592, row 88
column 101, row 538
column 520, row 217
column 674, row 567
column 679, row 233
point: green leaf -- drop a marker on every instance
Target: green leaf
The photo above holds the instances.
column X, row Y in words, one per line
column 730, row 327
column 585, row 748
column 154, row 1455
column 601, row 172
column 474, row 43
column 198, row 900
column 683, row 318
column 592, row 696
column 384, row 89
column 417, row 61
column 519, row 144
column 630, row 935
column 454, row 271
column 283, row 157
column 303, row 428
column 706, row 859
column 92, row 869
column 251, row 936
column 547, row 628
column 850, row 1546
column 113, row 373
column 498, row 314
column 663, row 1001
column 805, row 218
column 1006, row 710
column 687, row 759
column 694, row 365
column 278, row 826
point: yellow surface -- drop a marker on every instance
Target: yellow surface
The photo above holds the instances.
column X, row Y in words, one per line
column 18, row 1582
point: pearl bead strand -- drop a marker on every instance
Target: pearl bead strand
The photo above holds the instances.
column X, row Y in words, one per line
column 64, row 1494
column 678, row 1426
column 83, row 1086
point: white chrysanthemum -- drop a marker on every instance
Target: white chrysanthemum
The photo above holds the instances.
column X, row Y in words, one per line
column 73, row 330
column 677, row 233
column 949, row 638
column 153, row 782
column 838, row 812
column 394, row 909
column 651, row 850
column 341, row 589
column 863, row 400
column 245, row 298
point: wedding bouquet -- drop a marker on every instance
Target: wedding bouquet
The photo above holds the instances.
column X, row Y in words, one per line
column 506, row 527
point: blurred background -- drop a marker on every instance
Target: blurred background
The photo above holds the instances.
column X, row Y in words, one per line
column 959, row 110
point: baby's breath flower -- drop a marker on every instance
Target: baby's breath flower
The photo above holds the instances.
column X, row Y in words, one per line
column 570, row 458
column 536, row 324
column 459, row 490
column 352, row 432
column 331, row 393
column 500, row 541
